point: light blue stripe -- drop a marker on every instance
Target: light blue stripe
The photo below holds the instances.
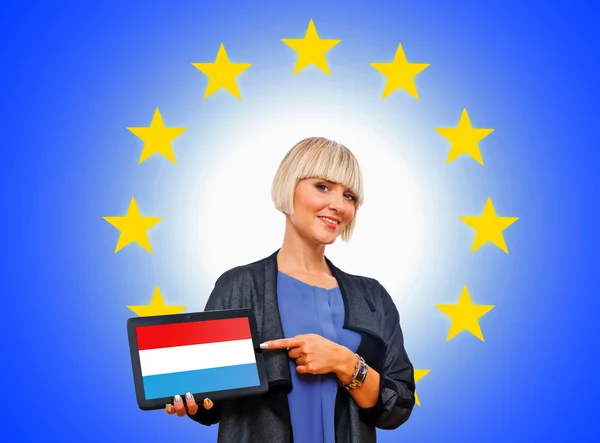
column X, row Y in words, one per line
column 203, row 380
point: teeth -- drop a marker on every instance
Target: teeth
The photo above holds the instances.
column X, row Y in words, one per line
column 330, row 220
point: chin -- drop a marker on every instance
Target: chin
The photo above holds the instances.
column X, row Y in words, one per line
column 326, row 240
column 322, row 236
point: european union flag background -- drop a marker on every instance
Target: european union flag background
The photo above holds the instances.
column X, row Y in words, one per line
column 76, row 75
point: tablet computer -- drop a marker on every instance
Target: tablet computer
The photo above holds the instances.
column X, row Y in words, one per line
column 212, row 354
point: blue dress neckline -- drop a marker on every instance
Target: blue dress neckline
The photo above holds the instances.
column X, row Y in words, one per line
column 307, row 284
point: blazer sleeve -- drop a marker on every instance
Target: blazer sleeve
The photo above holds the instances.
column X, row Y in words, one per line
column 220, row 298
column 397, row 384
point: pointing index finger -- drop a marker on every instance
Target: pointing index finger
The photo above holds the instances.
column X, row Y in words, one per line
column 283, row 343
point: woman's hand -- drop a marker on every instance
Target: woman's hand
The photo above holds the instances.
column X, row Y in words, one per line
column 178, row 407
column 315, row 354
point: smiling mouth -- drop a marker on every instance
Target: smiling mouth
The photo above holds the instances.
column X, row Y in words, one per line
column 329, row 220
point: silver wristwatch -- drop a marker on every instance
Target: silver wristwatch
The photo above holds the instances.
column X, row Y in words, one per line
column 359, row 376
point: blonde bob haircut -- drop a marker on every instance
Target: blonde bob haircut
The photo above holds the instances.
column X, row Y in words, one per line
column 317, row 157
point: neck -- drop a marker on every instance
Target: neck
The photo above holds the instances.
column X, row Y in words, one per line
column 298, row 254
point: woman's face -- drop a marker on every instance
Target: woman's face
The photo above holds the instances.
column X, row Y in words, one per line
column 322, row 209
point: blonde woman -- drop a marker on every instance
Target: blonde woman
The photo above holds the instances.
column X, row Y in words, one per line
column 333, row 345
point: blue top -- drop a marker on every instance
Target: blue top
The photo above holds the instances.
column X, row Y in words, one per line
column 309, row 309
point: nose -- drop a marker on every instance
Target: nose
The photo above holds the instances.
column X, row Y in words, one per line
column 336, row 202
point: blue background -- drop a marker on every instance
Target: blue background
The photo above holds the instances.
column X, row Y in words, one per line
column 75, row 75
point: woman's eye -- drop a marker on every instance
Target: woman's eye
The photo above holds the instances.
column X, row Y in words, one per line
column 323, row 187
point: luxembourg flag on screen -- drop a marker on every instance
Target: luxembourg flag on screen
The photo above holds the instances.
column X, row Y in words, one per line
column 196, row 357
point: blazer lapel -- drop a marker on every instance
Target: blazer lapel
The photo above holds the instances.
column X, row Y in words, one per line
column 361, row 316
column 276, row 361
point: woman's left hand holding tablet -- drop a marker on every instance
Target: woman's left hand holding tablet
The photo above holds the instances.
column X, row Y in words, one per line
column 179, row 408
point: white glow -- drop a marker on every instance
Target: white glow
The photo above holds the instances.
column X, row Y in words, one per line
column 235, row 222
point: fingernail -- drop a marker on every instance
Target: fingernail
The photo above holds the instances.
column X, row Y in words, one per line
column 188, row 396
column 264, row 346
column 206, row 401
column 169, row 407
column 178, row 398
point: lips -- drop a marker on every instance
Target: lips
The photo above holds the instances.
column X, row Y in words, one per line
column 330, row 220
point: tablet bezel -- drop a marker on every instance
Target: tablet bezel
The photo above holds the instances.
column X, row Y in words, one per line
column 160, row 403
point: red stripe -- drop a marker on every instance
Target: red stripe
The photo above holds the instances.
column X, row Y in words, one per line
column 192, row 333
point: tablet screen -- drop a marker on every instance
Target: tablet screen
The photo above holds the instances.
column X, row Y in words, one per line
column 196, row 356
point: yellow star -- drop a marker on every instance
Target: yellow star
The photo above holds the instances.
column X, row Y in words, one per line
column 222, row 73
column 156, row 307
column 464, row 138
column 465, row 315
column 400, row 74
column 133, row 227
column 311, row 49
column 489, row 227
column 419, row 374
column 157, row 138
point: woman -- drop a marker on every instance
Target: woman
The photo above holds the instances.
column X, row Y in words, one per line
column 333, row 346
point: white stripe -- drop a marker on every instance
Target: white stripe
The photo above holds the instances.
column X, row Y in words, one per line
column 193, row 357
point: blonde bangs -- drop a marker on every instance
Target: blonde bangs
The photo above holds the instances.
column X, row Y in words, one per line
column 333, row 162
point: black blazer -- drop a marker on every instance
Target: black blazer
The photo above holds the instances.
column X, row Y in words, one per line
column 369, row 310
